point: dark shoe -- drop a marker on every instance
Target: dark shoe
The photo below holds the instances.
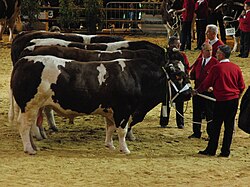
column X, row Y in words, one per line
column 205, row 152
column 195, row 136
column 223, row 155
column 163, row 126
column 239, row 55
column 180, row 126
column 243, row 56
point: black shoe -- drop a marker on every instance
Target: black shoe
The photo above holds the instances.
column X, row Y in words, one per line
column 244, row 56
column 180, row 126
column 205, row 152
column 239, row 55
column 163, row 126
column 195, row 136
column 223, row 155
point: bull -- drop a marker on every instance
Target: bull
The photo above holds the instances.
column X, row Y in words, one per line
column 9, row 11
column 128, row 87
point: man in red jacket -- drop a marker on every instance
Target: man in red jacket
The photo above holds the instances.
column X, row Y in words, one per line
column 187, row 18
column 201, row 10
column 199, row 72
column 227, row 82
column 244, row 24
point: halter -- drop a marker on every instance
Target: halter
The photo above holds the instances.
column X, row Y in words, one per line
column 170, row 83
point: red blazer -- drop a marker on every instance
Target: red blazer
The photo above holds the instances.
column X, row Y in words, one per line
column 201, row 9
column 188, row 14
column 199, row 74
column 227, row 81
column 245, row 22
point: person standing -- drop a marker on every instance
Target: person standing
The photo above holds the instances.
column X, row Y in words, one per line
column 201, row 10
column 227, row 84
column 211, row 33
column 173, row 52
column 187, row 18
column 199, row 72
column 216, row 16
column 244, row 25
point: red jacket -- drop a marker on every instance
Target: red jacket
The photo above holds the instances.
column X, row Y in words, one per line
column 199, row 74
column 188, row 14
column 186, row 61
column 245, row 22
column 201, row 10
column 227, row 81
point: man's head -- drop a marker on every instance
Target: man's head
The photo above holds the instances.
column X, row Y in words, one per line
column 206, row 50
column 223, row 52
column 174, row 42
column 211, row 31
column 247, row 5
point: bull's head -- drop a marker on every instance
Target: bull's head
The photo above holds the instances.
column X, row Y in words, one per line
column 179, row 86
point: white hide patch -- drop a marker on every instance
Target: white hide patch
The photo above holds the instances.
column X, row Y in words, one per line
column 116, row 45
column 122, row 64
column 47, row 42
column 181, row 66
column 86, row 38
column 102, row 72
column 51, row 63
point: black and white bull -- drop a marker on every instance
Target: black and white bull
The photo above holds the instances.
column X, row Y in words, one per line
column 16, row 49
column 244, row 116
column 9, row 11
column 231, row 11
column 22, row 39
column 84, row 56
column 128, row 87
column 171, row 20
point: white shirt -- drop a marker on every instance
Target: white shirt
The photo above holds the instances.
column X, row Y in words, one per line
column 212, row 42
column 225, row 60
column 207, row 60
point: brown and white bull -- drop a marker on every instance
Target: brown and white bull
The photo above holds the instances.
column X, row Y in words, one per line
column 128, row 87
column 9, row 11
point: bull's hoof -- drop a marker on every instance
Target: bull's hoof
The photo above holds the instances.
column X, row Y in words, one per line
column 30, row 151
column 125, row 151
column 54, row 128
column 130, row 137
column 110, row 147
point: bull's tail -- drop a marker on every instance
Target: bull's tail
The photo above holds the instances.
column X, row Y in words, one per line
column 14, row 110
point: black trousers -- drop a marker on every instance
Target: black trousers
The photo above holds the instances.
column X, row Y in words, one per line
column 215, row 17
column 201, row 105
column 224, row 111
column 244, row 43
column 186, row 35
column 179, row 119
column 201, row 32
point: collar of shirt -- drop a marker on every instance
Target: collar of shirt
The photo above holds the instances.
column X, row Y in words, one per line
column 247, row 11
column 225, row 60
column 200, row 1
column 207, row 60
column 212, row 42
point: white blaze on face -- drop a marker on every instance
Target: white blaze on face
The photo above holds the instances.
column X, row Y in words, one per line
column 181, row 66
column 86, row 38
column 47, row 42
column 116, row 45
column 102, row 72
column 122, row 64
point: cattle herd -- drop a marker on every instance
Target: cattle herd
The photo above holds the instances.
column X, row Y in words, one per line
column 75, row 74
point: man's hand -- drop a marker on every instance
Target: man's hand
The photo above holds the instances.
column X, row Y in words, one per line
column 210, row 89
column 194, row 92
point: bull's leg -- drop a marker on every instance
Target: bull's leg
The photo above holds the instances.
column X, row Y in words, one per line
column 50, row 118
column 2, row 28
column 25, row 130
column 122, row 139
column 110, row 129
column 236, row 44
column 11, row 29
column 130, row 135
column 37, row 129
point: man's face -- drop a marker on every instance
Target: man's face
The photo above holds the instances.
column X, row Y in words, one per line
column 246, row 7
column 176, row 44
column 207, row 51
column 220, row 55
column 210, row 34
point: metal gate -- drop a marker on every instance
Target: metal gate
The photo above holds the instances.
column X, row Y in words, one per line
column 133, row 17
